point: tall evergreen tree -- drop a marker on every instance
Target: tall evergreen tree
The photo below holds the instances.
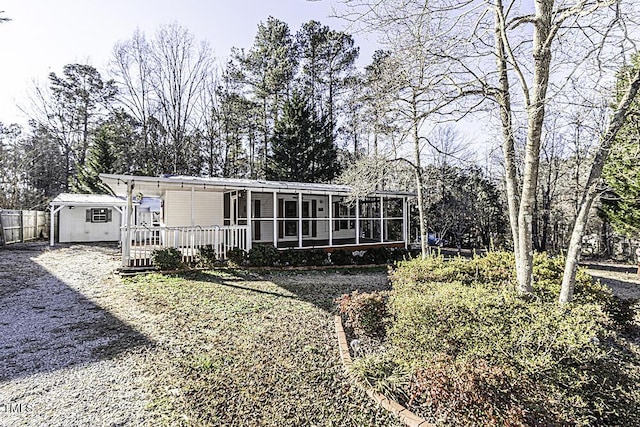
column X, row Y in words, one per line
column 302, row 144
column 327, row 57
column 268, row 69
column 101, row 159
column 621, row 204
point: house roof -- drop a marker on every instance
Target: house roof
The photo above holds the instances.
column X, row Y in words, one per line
column 226, row 184
column 66, row 199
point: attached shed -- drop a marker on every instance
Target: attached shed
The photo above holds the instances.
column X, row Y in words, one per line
column 87, row 217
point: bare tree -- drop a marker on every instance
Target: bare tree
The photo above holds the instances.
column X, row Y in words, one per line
column 627, row 97
column 179, row 73
column 131, row 66
column 520, row 58
column 162, row 81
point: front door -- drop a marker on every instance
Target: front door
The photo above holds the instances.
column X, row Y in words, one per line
column 310, row 210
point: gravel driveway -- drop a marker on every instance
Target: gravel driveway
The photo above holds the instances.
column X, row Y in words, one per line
column 68, row 354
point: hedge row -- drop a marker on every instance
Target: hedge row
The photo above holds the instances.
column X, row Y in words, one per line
column 269, row 256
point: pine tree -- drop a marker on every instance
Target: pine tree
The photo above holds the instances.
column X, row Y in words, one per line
column 268, row 69
column 101, row 159
column 302, row 144
column 621, row 204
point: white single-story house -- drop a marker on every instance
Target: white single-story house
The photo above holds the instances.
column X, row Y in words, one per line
column 189, row 212
column 87, row 217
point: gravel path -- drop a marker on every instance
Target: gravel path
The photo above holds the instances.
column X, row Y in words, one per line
column 68, row 354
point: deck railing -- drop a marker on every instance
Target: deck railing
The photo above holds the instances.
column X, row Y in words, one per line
column 143, row 240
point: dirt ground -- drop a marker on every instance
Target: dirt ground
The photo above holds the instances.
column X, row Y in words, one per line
column 621, row 278
column 80, row 348
column 76, row 347
column 68, row 355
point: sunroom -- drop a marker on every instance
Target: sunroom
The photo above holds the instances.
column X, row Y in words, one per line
column 228, row 213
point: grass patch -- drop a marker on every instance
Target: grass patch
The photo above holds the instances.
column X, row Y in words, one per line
column 242, row 348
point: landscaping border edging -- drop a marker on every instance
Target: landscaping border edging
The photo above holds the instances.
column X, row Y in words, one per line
column 407, row 417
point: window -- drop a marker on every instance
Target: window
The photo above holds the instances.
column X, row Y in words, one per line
column 99, row 215
column 342, row 210
column 290, row 209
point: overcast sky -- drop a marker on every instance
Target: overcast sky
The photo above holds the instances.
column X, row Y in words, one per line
column 44, row 35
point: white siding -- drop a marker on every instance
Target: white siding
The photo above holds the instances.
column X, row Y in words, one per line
column 266, row 204
column 209, row 208
column 73, row 226
column 177, row 208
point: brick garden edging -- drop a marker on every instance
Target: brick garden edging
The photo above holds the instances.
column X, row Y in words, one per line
column 407, row 417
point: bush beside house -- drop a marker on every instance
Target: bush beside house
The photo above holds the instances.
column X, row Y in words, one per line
column 461, row 347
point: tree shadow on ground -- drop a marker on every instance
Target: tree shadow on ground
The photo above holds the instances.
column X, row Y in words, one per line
column 321, row 288
column 619, row 268
column 47, row 324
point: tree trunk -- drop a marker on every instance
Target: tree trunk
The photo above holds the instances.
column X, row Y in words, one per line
column 508, row 144
column 424, row 230
column 535, row 120
column 591, row 188
column 421, row 214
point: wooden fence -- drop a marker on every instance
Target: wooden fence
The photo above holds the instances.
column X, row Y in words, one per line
column 22, row 226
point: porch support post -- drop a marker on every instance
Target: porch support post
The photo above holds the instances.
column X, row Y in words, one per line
column 249, row 222
column 126, row 246
column 357, row 221
column 405, row 223
column 53, row 211
column 330, row 207
column 381, row 219
column 53, row 215
column 275, row 219
column 299, row 219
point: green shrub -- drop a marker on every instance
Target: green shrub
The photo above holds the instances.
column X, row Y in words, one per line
column 263, row 256
column 399, row 254
column 303, row 257
column 341, row 257
column 236, row 257
column 292, row 258
column 167, row 259
column 358, row 257
column 365, row 313
column 208, row 256
column 316, row 257
column 433, row 269
column 376, row 256
column 478, row 322
column 558, row 364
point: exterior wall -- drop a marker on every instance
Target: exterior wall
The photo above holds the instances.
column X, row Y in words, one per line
column 73, row 226
column 208, row 208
